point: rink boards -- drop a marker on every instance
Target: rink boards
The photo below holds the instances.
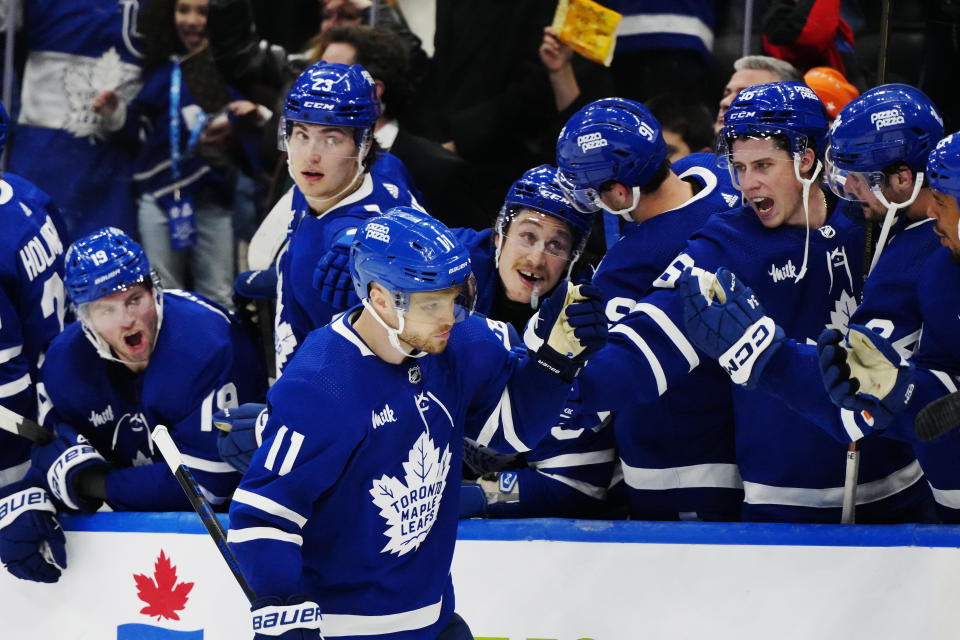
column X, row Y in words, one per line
column 544, row 579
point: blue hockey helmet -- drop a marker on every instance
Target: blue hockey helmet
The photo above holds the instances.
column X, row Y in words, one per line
column 332, row 94
column 102, row 263
column 790, row 110
column 612, row 139
column 407, row 251
column 892, row 123
column 943, row 166
column 539, row 190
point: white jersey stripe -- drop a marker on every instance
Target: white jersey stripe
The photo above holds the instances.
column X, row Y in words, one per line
column 268, row 506
column 338, row 326
column 867, row 492
column 698, row 476
column 502, row 415
column 945, row 380
column 585, row 488
column 14, row 474
column 8, row 354
column 275, row 447
column 263, row 533
column 211, row 466
column 949, row 498
column 655, row 367
column 341, row 624
column 15, row 387
column 576, row 459
column 676, row 336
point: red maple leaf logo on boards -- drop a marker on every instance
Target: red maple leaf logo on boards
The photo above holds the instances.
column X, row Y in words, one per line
column 164, row 597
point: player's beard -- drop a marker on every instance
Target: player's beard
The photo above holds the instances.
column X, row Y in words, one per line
column 427, row 345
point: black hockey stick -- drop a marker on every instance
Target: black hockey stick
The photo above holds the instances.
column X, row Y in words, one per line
column 200, row 504
column 938, row 417
column 17, row 424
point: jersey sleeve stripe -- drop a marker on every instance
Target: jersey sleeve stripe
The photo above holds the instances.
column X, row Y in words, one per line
column 655, row 367
column 8, row 354
column 670, row 329
column 15, row 387
column 336, row 625
column 296, row 440
column 209, row 466
column 945, row 380
column 263, row 533
column 949, row 498
column 576, row 459
column 586, row 488
column 275, row 447
column 268, row 506
column 849, row 421
column 716, row 475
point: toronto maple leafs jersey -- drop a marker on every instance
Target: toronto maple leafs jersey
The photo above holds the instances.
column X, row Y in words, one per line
column 353, row 497
column 937, row 361
column 889, row 307
column 203, row 361
column 791, row 470
column 299, row 307
column 76, row 50
column 677, row 457
column 31, row 306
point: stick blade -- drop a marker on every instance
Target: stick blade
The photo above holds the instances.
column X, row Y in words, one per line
column 938, row 418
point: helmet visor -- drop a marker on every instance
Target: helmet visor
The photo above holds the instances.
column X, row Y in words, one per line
column 300, row 138
column 855, row 186
column 586, row 200
column 450, row 305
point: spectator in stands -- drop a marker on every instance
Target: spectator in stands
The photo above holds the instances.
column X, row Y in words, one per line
column 831, row 87
column 751, row 70
column 687, row 126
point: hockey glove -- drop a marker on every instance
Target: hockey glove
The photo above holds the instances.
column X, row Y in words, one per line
column 724, row 319
column 32, row 546
column 865, row 374
column 241, row 433
column 332, row 275
column 297, row 619
column 569, row 327
column 62, row 461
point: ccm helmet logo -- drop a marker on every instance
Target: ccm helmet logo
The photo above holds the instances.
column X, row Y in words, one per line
column 379, row 232
column 738, row 115
column 311, row 104
column 886, row 118
column 591, row 141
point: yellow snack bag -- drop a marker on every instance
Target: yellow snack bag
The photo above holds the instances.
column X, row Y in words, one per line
column 587, row 27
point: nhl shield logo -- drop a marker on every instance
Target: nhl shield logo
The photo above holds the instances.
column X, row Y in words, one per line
column 413, row 374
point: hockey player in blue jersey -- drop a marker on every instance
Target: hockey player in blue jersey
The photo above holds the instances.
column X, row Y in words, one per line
column 793, row 244
column 876, row 157
column 891, row 389
column 350, row 502
column 327, row 130
column 31, row 315
column 137, row 357
column 612, row 155
column 538, row 239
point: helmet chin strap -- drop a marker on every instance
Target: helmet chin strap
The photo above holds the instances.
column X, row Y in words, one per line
column 624, row 213
column 393, row 335
column 891, row 215
column 807, row 184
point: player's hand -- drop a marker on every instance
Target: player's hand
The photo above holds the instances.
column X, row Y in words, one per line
column 865, row 373
column 241, row 433
column 569, row 327
column 62, row 461
column 32, row 546
column 725, row 320
column 296, row 619
column 105, row 103
column 332, row 275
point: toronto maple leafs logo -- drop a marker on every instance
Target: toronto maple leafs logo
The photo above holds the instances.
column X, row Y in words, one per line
column 163, row 595
column 410, row 506
column 82, row 83
column 843, row 309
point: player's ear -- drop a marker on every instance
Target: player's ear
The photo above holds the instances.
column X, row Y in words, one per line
column 808, row 161
column 379, row 297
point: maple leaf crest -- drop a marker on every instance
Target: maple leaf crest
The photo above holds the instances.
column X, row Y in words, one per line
column 164, row 597
column 843, row 308
column 410, row 508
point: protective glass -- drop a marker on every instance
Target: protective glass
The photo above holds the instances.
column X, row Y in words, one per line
column 317, row 139
column 586, row 200
column 852, row 185
column 432, row 307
